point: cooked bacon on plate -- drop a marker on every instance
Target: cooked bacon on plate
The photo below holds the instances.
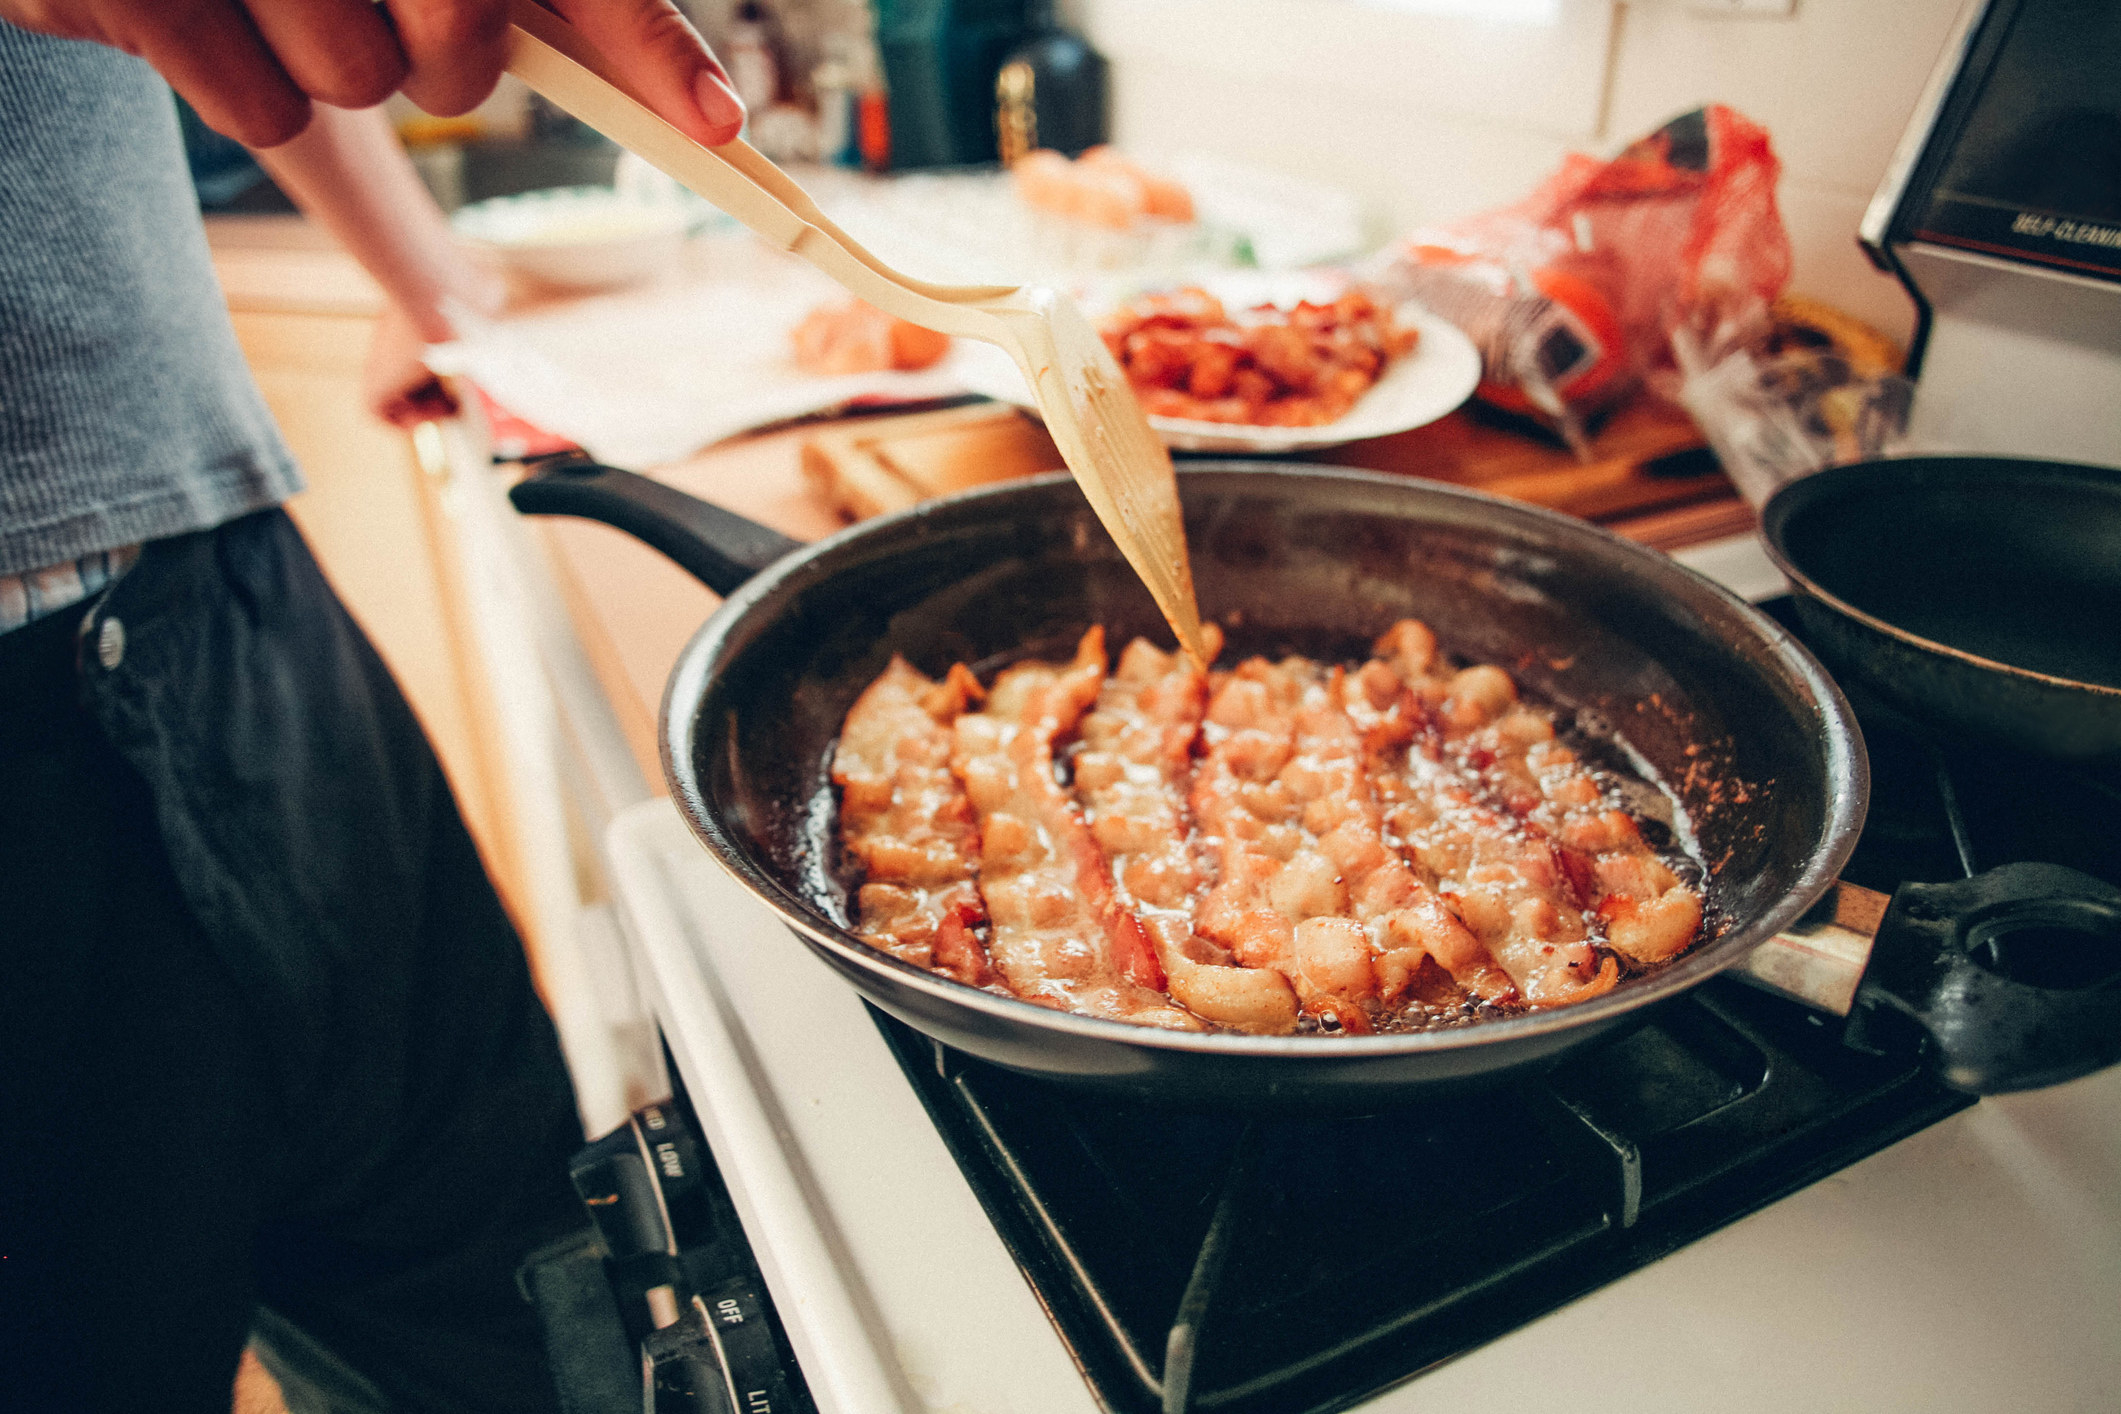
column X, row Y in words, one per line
column 1284, row 845
column 1188, row 357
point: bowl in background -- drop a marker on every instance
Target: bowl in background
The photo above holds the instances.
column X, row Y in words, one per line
column 577, row 238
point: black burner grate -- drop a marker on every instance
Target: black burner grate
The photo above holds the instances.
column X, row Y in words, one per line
column 1201, row 1262
column 1208, row 1263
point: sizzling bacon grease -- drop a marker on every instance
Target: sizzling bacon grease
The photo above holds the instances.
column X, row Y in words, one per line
column 1283, row 846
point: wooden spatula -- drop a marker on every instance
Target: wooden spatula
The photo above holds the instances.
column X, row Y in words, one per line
column 1088, row 407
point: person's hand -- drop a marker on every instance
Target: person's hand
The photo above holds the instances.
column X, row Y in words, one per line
column 251, row 67
column 396, row 383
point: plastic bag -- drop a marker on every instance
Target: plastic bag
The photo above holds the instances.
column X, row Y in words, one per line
column 1824, row 391
column 1573, row 294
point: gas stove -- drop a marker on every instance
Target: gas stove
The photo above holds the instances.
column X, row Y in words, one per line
column 944, row 1234
column 1211, row 1262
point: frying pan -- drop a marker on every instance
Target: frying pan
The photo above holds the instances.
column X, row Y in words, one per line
column 1666, row 672
column 1979, row 594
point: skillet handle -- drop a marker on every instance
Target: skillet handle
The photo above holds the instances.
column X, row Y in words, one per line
column 2011, row 978
column 719, row 548
column 1819, row 960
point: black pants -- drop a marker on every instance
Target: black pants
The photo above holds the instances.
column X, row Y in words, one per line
column 266, row 1035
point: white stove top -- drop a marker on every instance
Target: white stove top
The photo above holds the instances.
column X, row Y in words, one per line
column 1973, row 1266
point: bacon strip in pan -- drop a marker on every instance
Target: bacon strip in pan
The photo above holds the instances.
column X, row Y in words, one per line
column 1060, row 936
column 1404, row 919
column 1367, row 847
column 1649, row 914
column 905, row 817
column 1502, row 874
column 1306, row 884
column 1265, row 881
column 1132, row 775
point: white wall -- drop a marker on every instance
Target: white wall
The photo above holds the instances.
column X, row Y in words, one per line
column 1433, row 118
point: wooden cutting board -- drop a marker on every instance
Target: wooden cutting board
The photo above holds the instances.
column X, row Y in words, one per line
column 881, row 464
column 1648, row 469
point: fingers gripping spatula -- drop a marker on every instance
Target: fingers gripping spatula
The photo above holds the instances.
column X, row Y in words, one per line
column 1090, row 410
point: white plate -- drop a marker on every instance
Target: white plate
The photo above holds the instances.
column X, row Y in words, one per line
column 1435, row 378
column 577, row 238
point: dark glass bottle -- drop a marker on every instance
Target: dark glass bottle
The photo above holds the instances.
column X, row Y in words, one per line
column 940, row 60
column 1050, row 92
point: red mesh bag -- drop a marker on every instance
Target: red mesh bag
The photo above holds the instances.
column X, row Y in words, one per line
column 1573, row 293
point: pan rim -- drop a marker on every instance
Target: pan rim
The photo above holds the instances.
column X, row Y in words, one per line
column 1846, row 776
column 1787, row 502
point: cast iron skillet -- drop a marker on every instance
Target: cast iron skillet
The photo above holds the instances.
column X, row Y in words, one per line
column 1711, row 696
column 1980, row 594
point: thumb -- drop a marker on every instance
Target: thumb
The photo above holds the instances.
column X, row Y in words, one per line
column 662, row 58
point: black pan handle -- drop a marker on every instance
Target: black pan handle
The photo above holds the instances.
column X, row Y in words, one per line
column 719, row 548
column 2011, row 978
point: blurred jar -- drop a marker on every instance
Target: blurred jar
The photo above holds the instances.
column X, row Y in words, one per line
column 941, row 59
column 1050, row 92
